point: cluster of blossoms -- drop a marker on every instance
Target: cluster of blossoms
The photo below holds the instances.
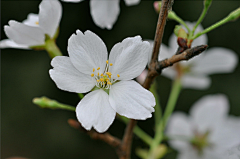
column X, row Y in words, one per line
column 208, row 132
column 194, row 73
column 32, row 31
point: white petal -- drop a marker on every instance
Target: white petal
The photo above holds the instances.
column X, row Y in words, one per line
column 169, row 72
column 226, row 135
column 195, row 81
column 216, row 60
column 32, row 20
column 173, row 45
column 129, row 58
column 95, row 111
column 141, row 78
column 68, row 78
column 104, row 13
column 50, row 13
column 130, row 99
column 163, row 53
column 7, row 43
column 132, row 2
column 87, row 51
column 73, row 1
column 24, row 34
column 209, row 111
column 179, row 126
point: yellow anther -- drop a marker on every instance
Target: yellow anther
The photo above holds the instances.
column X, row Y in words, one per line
column 109, row 76
column 118, row 75
column 93, row 69
column 98, row 73
column 111, row 64
column 109, row 83
column 92, row 74
column 97, row 80
column 37, row 22
column 107, row 79
column 101, row 79
column 98, row 68
column 101, row 74
column 107, row 61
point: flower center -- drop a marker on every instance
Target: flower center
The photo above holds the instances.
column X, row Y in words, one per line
column 104, row 80
column 200, row 141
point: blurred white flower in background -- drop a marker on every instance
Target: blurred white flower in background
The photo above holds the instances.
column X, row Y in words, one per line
column 195, row 72
column 105, row 13
column 31, row 32
column 88, row 69
column 211, row 133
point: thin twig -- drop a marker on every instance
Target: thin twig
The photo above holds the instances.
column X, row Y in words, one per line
column 152, row 73
column 186, row 55
column 106, row 137
column 127, row 139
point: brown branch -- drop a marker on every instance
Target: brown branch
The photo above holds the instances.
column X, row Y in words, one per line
column 186, row 55
column 152, row 73
column 106, row 137
column 127, row 139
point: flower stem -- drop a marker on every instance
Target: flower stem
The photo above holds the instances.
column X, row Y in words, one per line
column 232, row 16
column 172, row 15
column 138, row 131
column 45, row 102
column 169, row 109
column 52, row 48
column 158, row 110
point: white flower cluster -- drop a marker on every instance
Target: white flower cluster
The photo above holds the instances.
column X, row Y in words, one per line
column 211, row 133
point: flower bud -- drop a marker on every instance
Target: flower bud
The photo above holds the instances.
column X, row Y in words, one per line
column 235, row 14
column 180, row 32
column 157, row 6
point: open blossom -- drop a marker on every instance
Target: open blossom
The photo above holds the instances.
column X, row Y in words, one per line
column 195, row 71
column 210, row 132
column 105, row 13
column 31, row 32
column 88, row 69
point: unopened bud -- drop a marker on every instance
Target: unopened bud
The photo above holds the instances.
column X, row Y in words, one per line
column 157, row 6
column 180, row 32
column 207, row 3
column 235, row 14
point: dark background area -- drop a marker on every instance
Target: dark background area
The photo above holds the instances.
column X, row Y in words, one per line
column 28, row 131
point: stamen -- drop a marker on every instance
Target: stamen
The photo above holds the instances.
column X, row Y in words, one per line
column 98, row 68
column 98, row 73
column 111, row 64
column 92, row 74
column 97, row 80
column 109, row 83
column 101, row 74
column 101, row 79
column 37, row 22
column 118, row 75
column 107, row 61
column 93, row 69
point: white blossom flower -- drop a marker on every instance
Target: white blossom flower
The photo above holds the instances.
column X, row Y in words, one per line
column 195, row 71
column 208, row 133
column 105, row 13
column 88, row 69
column 31, row 32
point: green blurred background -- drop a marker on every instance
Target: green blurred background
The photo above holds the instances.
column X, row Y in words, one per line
column 28, row 131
